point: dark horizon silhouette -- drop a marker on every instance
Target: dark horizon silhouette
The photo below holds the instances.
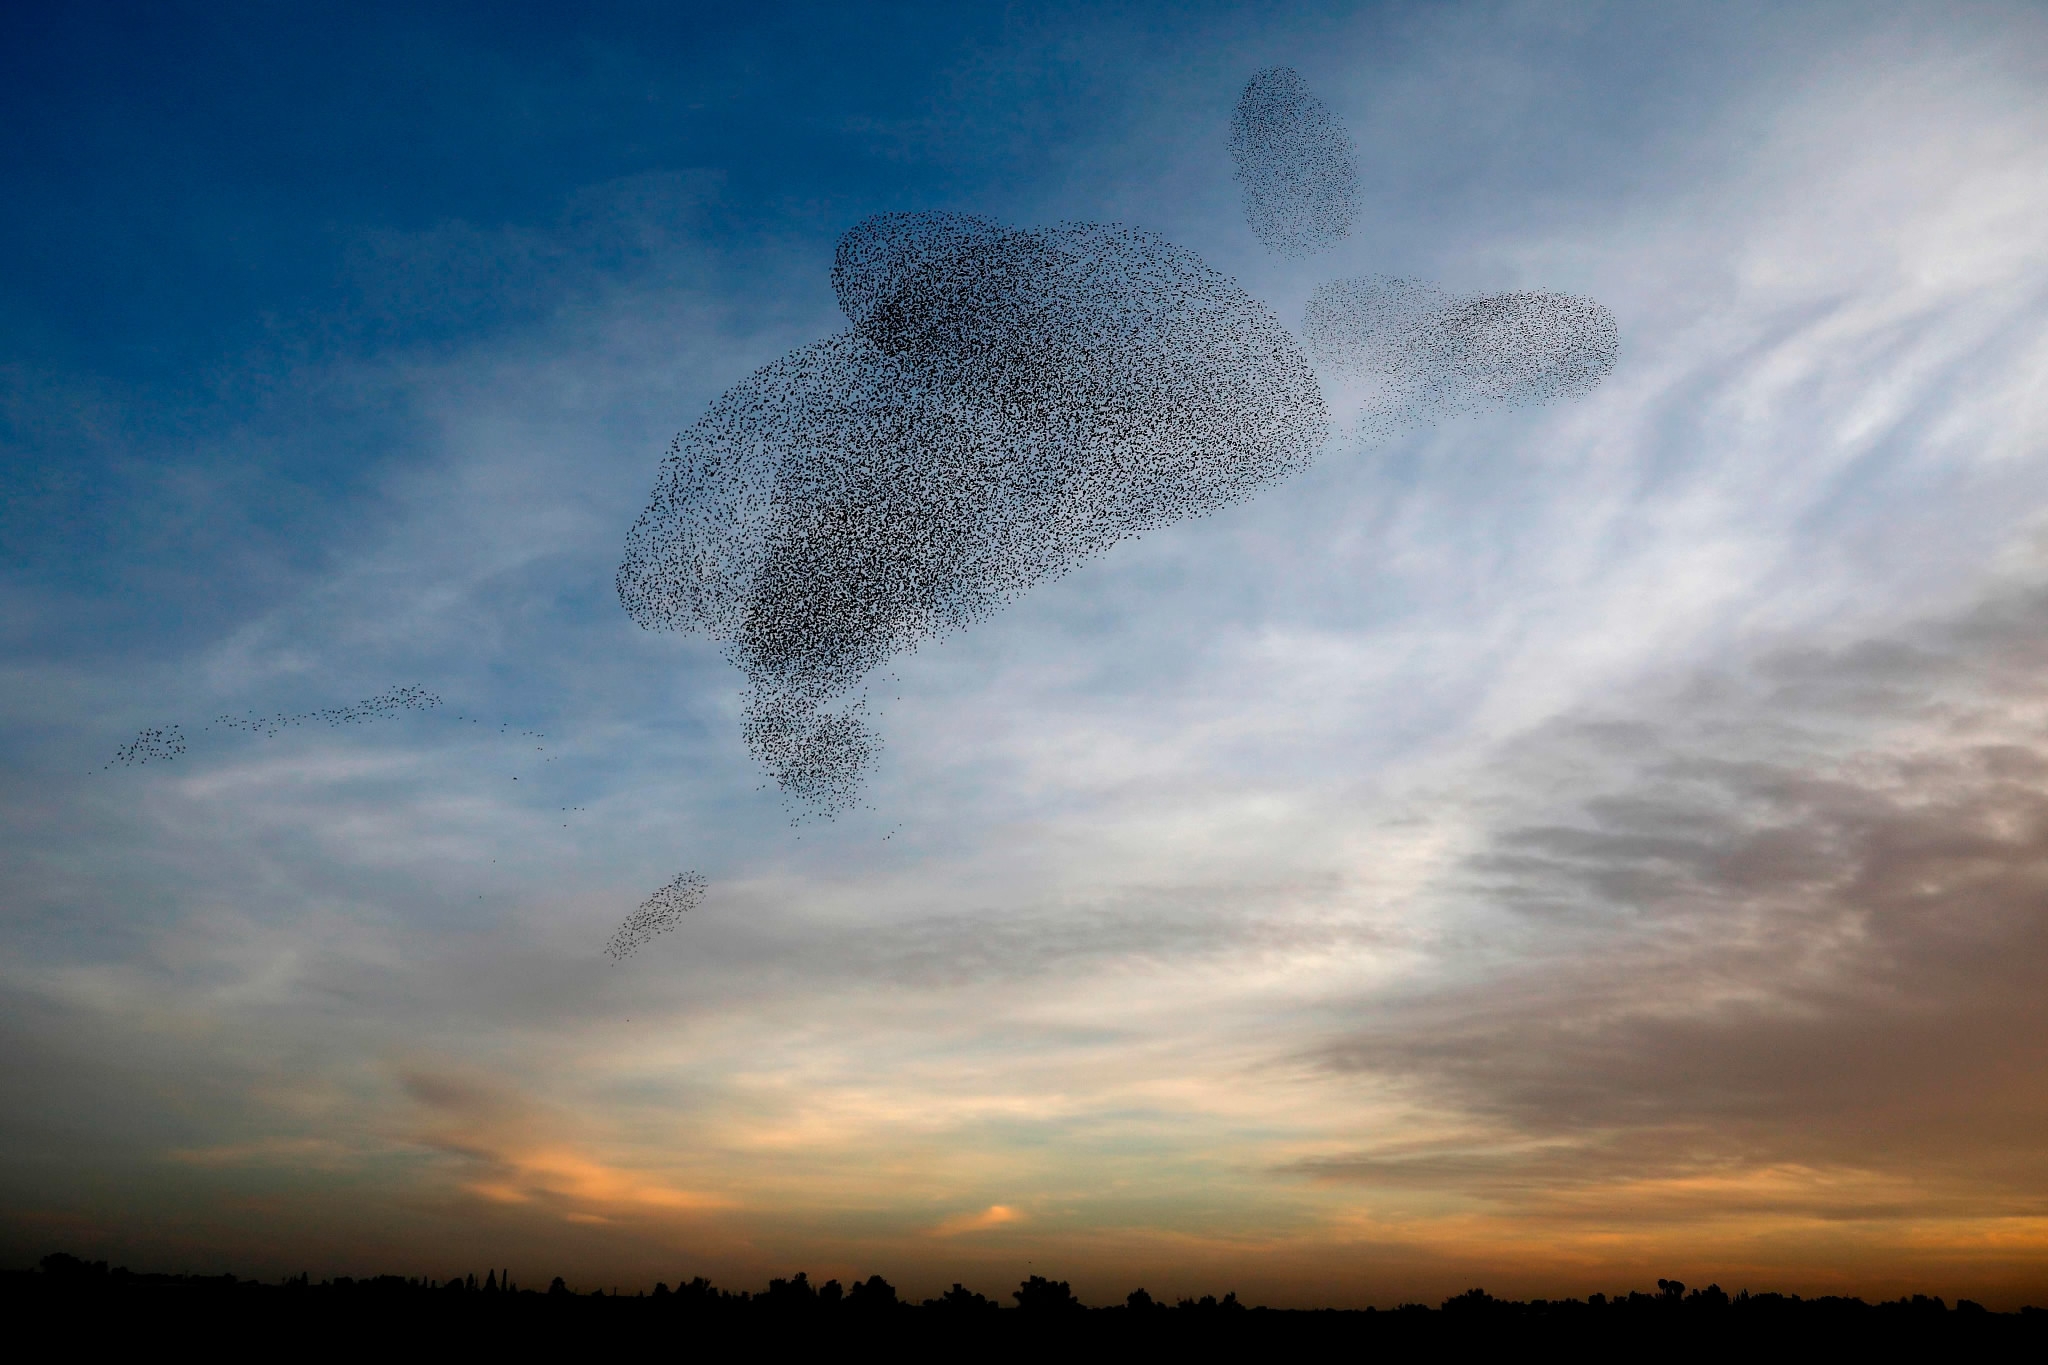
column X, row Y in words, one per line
column 62, row 1284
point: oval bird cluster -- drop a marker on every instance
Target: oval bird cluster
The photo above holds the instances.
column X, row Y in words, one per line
column 1416, row 352
column 1295, row 163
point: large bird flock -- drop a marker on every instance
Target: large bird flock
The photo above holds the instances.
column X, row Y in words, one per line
column 1005, row 403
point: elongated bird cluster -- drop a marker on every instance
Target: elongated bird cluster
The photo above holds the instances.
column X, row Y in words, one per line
column 1006, row 403
column 165, row 742
column 658, row 914
column 1295, row 163
column 1404, row 351
column 383, row 706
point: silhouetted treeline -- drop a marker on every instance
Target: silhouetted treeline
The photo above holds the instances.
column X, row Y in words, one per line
column 90, row 1300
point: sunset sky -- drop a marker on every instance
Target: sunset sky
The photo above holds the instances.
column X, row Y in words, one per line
column 1550, row 850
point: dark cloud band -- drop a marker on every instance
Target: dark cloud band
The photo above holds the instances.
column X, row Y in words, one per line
column 1780, row 916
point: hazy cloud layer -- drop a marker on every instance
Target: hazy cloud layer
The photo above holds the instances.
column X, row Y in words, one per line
column 1766, row 945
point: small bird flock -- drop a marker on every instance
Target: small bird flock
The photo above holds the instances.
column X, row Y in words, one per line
column 160, row 744
column 1295, row 163
column 1417, row 352
column 384, row 706
column 157, row 744
column 658, row 914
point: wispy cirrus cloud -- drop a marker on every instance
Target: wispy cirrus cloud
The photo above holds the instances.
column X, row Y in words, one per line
column 514, row 1153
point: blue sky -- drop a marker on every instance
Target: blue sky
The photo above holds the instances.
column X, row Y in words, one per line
column 1407, row 876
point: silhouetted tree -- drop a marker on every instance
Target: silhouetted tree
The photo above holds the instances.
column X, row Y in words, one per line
column 1472, row 1302
column 1040, row 1295
column 793, row 1295
column 958, row 1300
column 555, row 1286
column 698, row 1293
column 874, row 1294
column 1138, row 1301
column 62, row 1265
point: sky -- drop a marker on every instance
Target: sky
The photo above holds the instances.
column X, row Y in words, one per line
column 1550, row 849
